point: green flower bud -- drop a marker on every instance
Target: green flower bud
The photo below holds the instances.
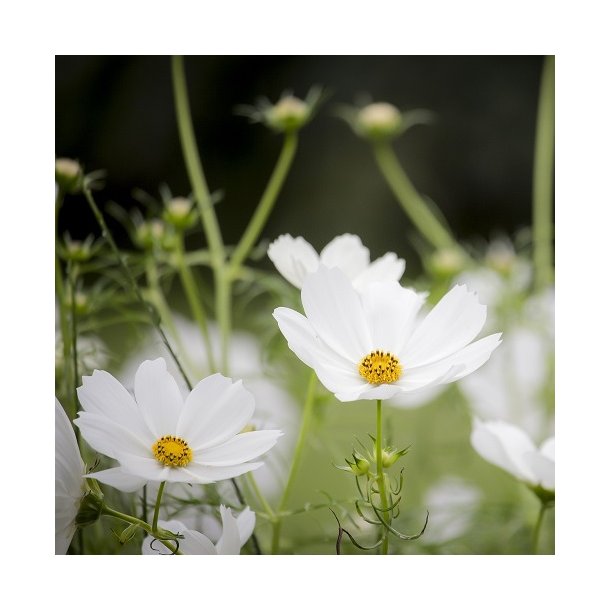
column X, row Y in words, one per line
column 360, row 465
column 81, row 302
column 501, row 258
column 128, row 533
column 90, row 508
column 379, row 121
column 68, row 175
column 447, row 262
column 289, row 114
column 179, row 212
column 150, row 233
column 390, row 455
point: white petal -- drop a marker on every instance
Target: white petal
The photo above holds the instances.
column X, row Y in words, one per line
column 453, row 323
column 158, row 397
column 69, row 484
column 504, row 445
column 387, row 268
column 390, row 311
column 463, row 362
column 229, row 543
column 239, row 449
column 210, row 474
column 335, row 312
column 215, row 411
column 196, row 543
column 293, row 257
column 109, row 438
column 101, row 393
column 245, row 524
column 119, row 478
column 543, row 469
column 369, row 392
column 548, row 448
column 347, row 253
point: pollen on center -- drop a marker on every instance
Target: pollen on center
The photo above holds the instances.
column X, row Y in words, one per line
column 172, row 451
column 380, row 367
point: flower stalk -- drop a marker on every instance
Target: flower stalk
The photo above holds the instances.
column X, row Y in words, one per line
column 381, row 482
column 411, row 201
column 542, row 223
column 296, row 461
column 154, row 316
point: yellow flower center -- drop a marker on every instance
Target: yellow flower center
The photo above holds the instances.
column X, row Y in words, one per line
column 380, row 367
column 172, row 451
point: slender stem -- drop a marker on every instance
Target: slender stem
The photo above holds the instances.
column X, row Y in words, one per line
column 542, row 220
column 223, row 316
column 193, row 164
column 145, row 503
column 154, row 317
column 411, row 201
column 381, row 479
column 268, row 199
column 72, row 273
column 537, row 527
column 296, row 460
column 158, row 506
column 260, row 497
column 194, row 301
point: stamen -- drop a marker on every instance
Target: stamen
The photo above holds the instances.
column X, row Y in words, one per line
column 172, row 451
column 380, row 367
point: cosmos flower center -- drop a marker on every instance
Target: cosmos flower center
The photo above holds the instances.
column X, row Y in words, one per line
column 172, row 451
column 380, row 367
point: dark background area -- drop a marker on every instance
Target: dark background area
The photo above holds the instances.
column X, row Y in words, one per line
column 117, row 113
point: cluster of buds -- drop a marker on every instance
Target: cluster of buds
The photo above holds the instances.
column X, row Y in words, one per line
column 78, row 251
column 150, row 234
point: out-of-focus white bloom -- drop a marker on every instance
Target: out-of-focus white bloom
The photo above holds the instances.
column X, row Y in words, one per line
column 508, row 447
column 452, row 503
column 160, row 436
column 70, row 486
column 372, row 345
column 516, row 385
column 295, row 258
column 91, row 351
column 275, row 408
column 235, row 533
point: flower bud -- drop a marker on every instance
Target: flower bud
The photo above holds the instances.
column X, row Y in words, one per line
column 68, row 175
column 76, row 250
column 289, row 114
column 390, row 455
column 81, row 302
column 360, row 465
column 179, row 212
column 379, row 121
column 501, row 258
column 447, row 262
column 90, row 508
column 150, row 233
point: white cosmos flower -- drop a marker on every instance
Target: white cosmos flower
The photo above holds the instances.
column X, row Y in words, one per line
column 373, row 346
column 295, row 258
column 159, row 436
column 70, row 486
column 235, row 533
column 275, row 408
column 508, row 447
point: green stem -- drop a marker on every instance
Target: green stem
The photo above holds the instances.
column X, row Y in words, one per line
column 158, row 506
column 542, row 220
column 260, row 497
column 381, row 479
column 194, row 301
column 296, row 460
column 260, row 216
column 413, row 204
column 154, row 317
column 110, row 512
column 72, row 273
column 223, row 285
column 64, row 318
column 193, row 164
column 537, row 528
